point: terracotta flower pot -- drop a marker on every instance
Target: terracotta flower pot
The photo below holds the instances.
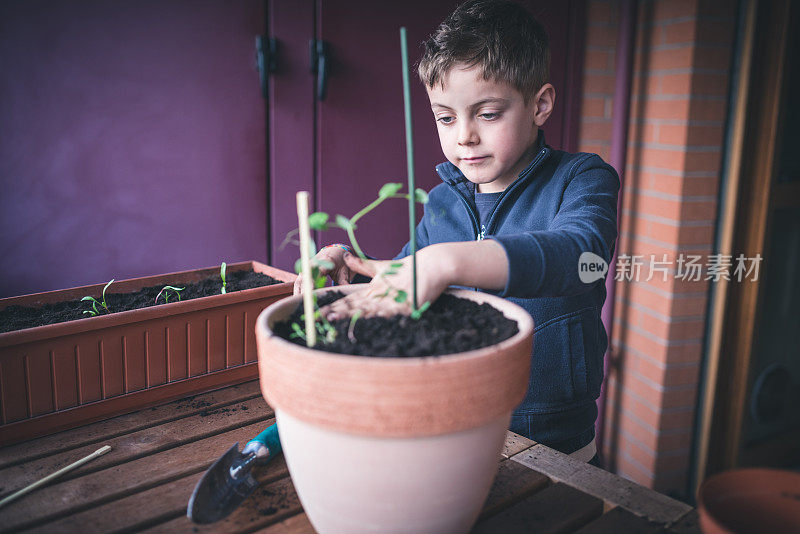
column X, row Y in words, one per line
column 393, row 444
column 68, row 374
column 742, row 501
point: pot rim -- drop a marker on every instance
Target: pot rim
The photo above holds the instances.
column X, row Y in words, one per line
column 518, row 314
column 719, row 487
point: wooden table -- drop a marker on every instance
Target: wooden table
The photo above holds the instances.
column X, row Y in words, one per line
column 159, row 454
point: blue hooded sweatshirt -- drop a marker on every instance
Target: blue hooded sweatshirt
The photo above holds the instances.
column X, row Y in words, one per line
column 561, row 206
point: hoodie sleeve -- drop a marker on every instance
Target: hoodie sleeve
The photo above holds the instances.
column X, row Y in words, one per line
column 545, row 263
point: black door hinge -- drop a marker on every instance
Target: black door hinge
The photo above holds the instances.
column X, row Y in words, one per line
column 266, row 59
column 320, row 64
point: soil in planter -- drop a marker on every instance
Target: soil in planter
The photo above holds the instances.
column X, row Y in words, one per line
column 450, row 325
column 19, row 317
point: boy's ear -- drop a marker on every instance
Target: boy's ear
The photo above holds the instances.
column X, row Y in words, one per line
column 544, row 101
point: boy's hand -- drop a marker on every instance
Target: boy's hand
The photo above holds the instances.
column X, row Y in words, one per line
column 340, row 274
column 389, row 279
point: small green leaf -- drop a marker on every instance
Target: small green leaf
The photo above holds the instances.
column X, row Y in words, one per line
column 298, row 266
column 298, row 332
column 344, row 223
column 389, row 190
column 90, row 312
column 417, row 314
column 420, row 196
column 401, row 296
column 87, row 298
column 106, row 286
column 318, row 221
column 319, row 282
column 396, row 264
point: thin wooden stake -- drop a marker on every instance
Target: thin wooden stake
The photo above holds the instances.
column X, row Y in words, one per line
column 27, row 489
column 305, row 262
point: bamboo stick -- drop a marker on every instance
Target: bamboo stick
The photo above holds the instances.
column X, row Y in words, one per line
column 305, row 262
column 27, row 489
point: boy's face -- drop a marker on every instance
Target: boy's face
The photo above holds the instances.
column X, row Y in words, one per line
column 485, row 127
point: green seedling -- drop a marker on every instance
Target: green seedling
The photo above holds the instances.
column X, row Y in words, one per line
column 95, row 303
column 166, row 291
column 222, row 269
column 297, row 332
column 351, row 329
column 321, row 221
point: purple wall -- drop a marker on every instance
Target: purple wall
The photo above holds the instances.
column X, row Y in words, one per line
column 133, row 139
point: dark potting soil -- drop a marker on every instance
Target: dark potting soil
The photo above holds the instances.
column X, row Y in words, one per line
column 450, row 325
column 19, row 317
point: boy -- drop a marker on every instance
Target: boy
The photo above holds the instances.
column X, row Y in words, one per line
column 513, row 216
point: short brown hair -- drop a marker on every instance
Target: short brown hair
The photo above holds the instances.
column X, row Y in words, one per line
column 499, row 36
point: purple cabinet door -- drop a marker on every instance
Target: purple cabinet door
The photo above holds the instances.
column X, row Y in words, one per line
column 133, row 139
column 358, row 139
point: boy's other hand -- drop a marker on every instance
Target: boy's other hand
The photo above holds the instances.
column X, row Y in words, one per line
column 390, row 279
column 340, row 274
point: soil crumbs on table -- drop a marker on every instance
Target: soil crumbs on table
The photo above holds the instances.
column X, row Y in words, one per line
column 19, row 317
column 449, row 326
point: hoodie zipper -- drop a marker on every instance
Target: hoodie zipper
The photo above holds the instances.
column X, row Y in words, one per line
column 472, row 215
column 480, row 229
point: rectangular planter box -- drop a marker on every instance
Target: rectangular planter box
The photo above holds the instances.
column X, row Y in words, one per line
column 64, row 375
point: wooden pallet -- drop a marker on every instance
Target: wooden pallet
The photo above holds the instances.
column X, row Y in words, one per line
column 160, row 453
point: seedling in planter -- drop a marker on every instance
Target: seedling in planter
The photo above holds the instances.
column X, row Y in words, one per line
column 351, row 329
column 166, row 291
column 222, row 275
column 320, row 220
column 95, row 303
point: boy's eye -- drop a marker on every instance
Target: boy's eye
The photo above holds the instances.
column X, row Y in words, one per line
column 490, row 116
column 445, row 120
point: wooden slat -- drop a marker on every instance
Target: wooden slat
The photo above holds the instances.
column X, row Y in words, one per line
column 129, row 478
column 298, row 524
column 688, row 524
column 559, row 508
column 513, row 483
column 117, row 426
column 141, row 443
column 269, row 504
column 515, row 444
column 615, row 490
column 619, row 521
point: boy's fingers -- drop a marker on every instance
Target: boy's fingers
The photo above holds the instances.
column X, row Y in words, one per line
column 365, row 267
column 367, row 304
column 343, row 277
column 298, row 286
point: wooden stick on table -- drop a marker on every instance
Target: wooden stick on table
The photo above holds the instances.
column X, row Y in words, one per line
column 27, row 489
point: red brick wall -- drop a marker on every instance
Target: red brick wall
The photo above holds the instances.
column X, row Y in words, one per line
column 678, row 107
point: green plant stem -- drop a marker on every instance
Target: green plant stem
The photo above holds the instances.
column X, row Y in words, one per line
column 350, row 233
column 410, row 164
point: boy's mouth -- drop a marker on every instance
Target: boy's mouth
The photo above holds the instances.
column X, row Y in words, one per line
column 476, row 159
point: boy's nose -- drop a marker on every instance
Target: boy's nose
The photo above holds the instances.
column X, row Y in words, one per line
column 467, row 134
